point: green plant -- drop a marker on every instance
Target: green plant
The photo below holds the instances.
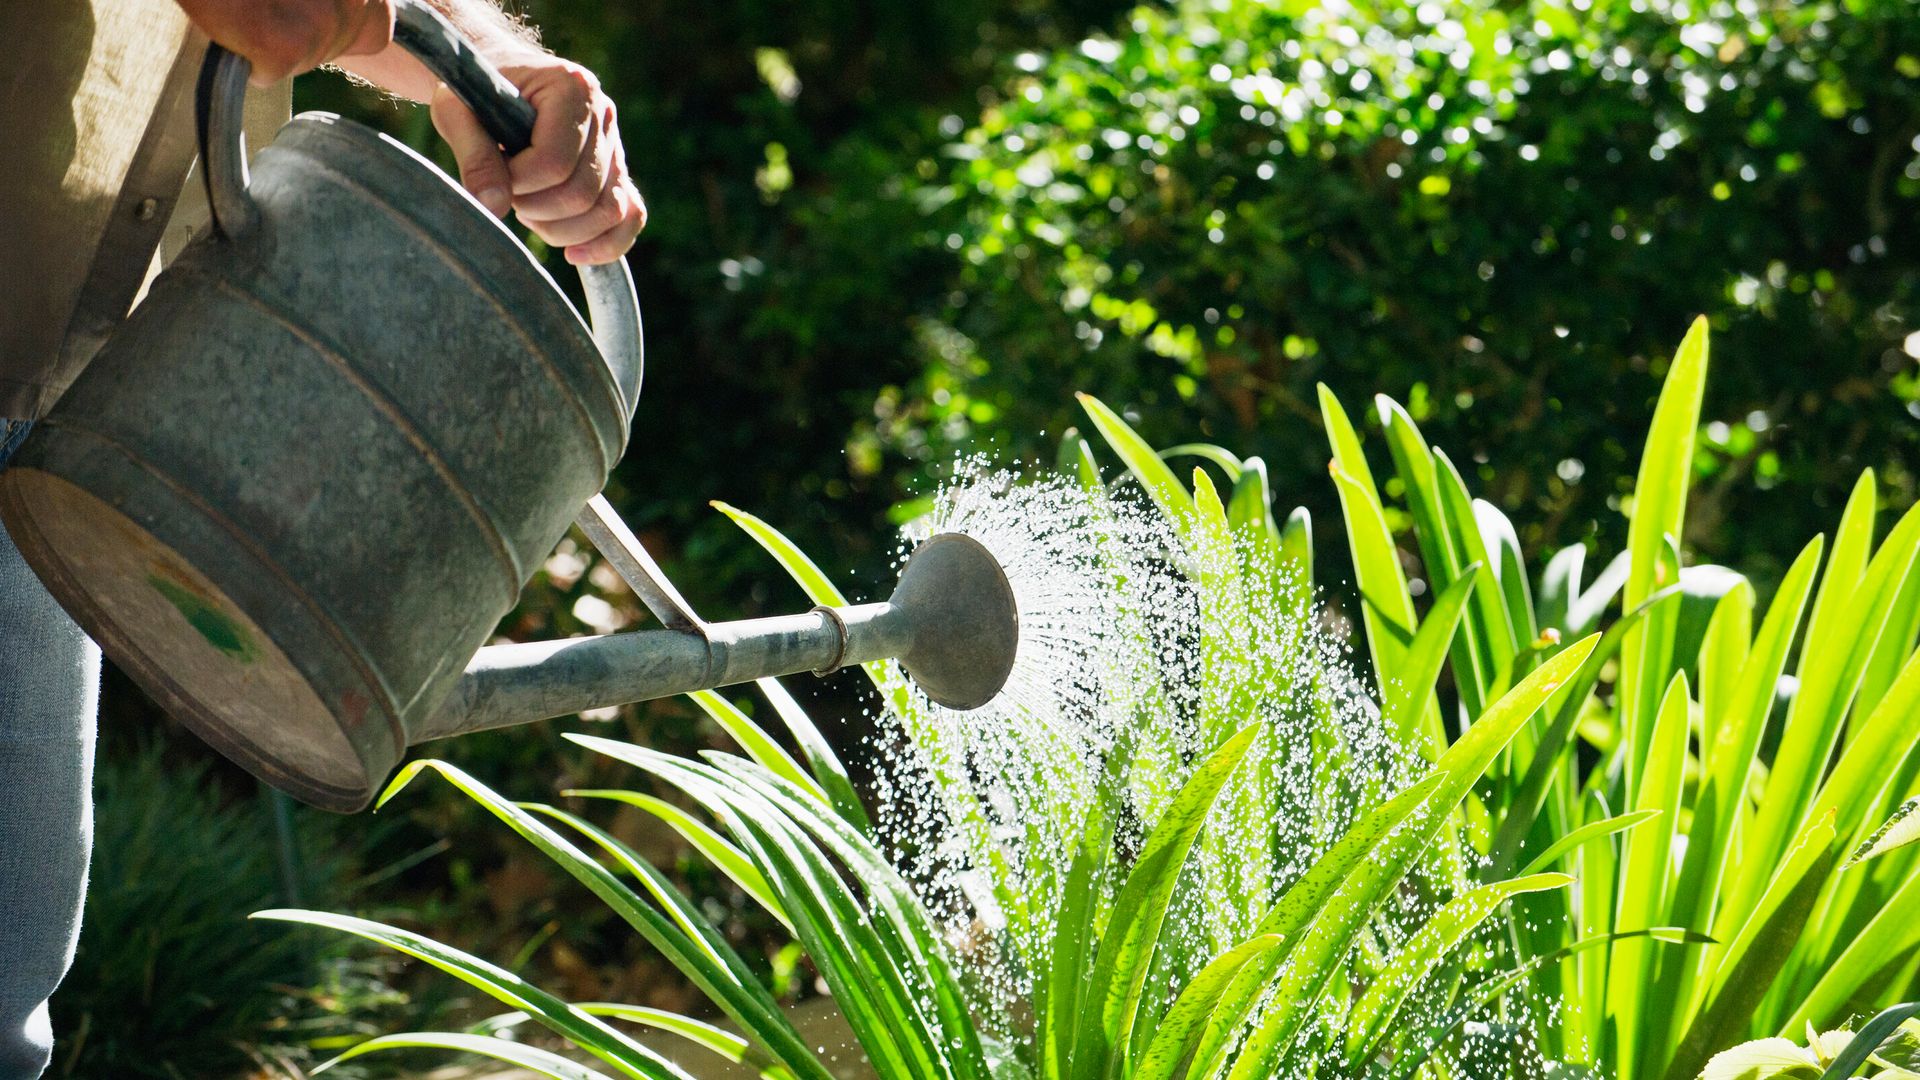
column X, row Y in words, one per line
column 1738, row 813
column 1327, row 963
column 813, row 865
column 1716, row 818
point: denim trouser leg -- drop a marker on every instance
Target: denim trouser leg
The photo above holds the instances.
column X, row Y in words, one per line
column 49, row 687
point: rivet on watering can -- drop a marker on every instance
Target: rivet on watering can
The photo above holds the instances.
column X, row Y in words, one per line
column 147, row 209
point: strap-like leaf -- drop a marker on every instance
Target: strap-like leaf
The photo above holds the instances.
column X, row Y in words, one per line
column 1161, row 485
column 532, row 1059
column 1592, row 830
column 1180, row 1029
column 1368, row 1024
column 1899, row 830
column 703, row 956
column 587, row 1032
column 1133, row 929
column 1871, row 1037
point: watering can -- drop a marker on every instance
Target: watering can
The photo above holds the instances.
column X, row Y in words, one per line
column 300, row 486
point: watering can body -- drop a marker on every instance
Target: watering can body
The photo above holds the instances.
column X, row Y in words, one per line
column 301, row 485
column 309, row 475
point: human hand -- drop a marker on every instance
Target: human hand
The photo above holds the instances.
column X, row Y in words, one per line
column 286, row 37
column 570, row 185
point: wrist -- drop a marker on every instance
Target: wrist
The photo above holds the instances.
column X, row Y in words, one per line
column 499, row 37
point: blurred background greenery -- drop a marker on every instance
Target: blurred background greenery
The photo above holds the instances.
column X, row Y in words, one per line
column 884, row 234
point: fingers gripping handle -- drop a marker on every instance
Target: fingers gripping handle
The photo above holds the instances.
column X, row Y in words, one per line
column 508, row 117
column 434, row 42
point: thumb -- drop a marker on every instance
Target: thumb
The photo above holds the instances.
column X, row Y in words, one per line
column 483, row 169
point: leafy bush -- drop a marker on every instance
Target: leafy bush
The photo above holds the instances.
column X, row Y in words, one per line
column 1503, row 211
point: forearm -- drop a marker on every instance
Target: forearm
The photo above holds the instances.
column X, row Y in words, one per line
column 497, row 35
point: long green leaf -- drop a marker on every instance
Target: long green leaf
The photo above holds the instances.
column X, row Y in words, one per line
column 822, row 762
column 1818, row 670
column 728, row 859
column 1161, row 485
column 885, row 964
column 1509, row 569
column 882, row 979
column 1898, row 831
column 1736, row 739
column 1060, row 986
column 1133, row 929
column 819, row 588
column 1827, row 690
column 1869, row 1039
column 1445, row 557
column 1367, row 1025
column 1745, row 968
column 1410, row 696
column 701, row 954
column 1487, row 622
column 1887, row 939
column 698, row 1032
column 1524, row 806
column 586, row 1032
column 1723, row 652
column 751, row 738
column 1179, row 1032
column 1312, row 962
column 1408, row 1063
column 1584, row 611
column 1644, row 882
column 1592, row 830
column 532, row 1059
column 1386, row 607
column 911, row 941
column 1659, row 511
column 1364, row 840
column 1220, row 456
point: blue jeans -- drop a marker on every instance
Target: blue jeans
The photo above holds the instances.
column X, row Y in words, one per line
column 49, row 691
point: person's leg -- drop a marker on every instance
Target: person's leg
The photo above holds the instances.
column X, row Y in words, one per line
column 49, row 689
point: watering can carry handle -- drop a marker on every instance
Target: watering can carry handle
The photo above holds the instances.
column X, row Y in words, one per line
column 507, row 116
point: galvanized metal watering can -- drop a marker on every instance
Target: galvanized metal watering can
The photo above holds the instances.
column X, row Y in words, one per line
column 301, row 485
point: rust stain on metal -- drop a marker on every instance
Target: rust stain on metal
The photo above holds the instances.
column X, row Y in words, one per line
column 353, row 709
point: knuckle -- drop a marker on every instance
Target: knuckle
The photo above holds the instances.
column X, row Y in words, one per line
column 572, row 204
column 538, row 171
column 580, row 79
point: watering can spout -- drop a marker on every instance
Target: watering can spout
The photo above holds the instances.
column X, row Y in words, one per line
column 951, row 622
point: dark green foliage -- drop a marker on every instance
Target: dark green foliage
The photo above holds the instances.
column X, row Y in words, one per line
column 885, row 232
column 1500, row 212
column 171, row 980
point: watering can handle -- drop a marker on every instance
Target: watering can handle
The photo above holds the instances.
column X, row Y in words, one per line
column 507, row 116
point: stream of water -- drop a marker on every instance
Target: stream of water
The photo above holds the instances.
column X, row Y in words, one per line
column 1143, row 646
